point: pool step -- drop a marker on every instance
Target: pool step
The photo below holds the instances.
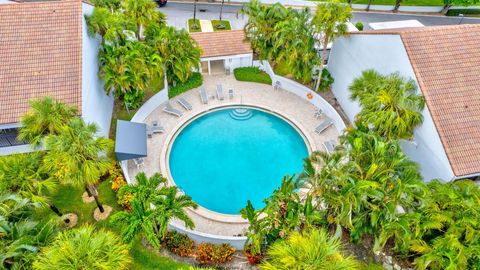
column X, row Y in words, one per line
column 241, row 114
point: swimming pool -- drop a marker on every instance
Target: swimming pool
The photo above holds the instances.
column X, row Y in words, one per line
column 229, row 156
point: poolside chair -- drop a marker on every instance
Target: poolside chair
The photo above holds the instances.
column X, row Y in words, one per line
column 330, row 145
column 203, row 96
column 230, row 93
column 277, row 85
column 139, row 162
column 220, row 95
column 169, row 109
column 185, row 104
column 318, row 113
column 324, row 125
column 155, row 128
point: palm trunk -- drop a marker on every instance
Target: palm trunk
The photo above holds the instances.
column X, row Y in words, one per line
column 368, row 5
column 324, row 57
column 446, row 8
column 97, row 201
column 221, row 11
column 397, row 5
column 55, row 209
column 194, row 26
column 89, row 192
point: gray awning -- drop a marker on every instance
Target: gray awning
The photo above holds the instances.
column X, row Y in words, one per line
column 131, row 140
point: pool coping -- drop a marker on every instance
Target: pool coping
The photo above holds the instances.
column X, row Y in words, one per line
column 166, row 148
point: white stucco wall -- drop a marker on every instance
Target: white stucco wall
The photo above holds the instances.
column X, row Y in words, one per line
column 97, row 107
column 386, row 54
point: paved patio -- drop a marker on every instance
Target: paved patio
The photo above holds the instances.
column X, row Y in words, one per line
column 297, row 110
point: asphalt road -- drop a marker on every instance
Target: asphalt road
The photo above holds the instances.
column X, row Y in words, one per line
column 178, row 13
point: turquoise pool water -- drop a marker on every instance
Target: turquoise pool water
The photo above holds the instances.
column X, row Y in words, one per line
column 226, row 157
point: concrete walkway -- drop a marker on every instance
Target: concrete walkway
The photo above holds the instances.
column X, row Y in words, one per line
column 298, row 110
column 206, row 26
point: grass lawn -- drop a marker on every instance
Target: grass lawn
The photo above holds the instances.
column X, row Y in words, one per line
column 193, row 82
column 190, row 26
column 68, row 199
column 226, row 25
column 252, row 74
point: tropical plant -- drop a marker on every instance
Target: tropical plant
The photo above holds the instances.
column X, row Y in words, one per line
column 141, row 13
column 110, row 26
column 84, row 248
column 180, row 53
column 179, row 243
column 20, row 236
column 77, row 156
column 208, row 253
column 171, row 205
column 25, row 175
column 139, row 221
column 145, row 190
column 294, row 44
column 112, row 5
column 330, row 21
column 314, row 249
column 45, row 117
column 390, row 104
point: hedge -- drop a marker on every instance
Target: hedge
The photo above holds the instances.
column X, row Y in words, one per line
column 193, row 82
column 252, row 74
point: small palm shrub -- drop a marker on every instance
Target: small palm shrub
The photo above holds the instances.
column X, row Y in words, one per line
column 208, row 253
column 311, row 250
column 179, row 243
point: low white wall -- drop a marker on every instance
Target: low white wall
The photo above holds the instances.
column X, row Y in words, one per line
column 237, row 242
column 302, row 91
column 151, row 104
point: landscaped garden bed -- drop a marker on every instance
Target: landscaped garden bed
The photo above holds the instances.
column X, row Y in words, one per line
column 225, row 25
column 192, row 28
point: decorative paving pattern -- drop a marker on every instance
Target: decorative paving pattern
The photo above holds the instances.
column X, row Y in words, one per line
column 296, row 109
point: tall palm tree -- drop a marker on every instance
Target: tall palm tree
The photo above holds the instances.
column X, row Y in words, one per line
column 77, row 156
column 84, row 248
column 171, row 205
column 390, row 104
column 138, row 221
column 46, row 117
column 329, row 22
column 25, row 175
column 108, row 25
column 141, row 12
column 311, row 250
column 145, row 189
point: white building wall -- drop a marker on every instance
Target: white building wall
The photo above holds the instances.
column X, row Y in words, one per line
column 97, row 107
column 386, row 54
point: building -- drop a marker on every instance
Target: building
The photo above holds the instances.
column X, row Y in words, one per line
column 223, row 51
column 444, row 61
column 45, row 51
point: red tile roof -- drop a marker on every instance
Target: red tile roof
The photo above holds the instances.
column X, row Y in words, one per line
column 40, row 55
column 446, row 61
column 222, row 43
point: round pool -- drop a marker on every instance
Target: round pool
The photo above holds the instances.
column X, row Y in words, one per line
column 229, row 156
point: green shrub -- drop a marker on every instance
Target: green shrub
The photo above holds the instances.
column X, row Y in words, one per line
column 190, row 26
column 252, row 74
column 133, row 99
column 194, row 81
column 216, row 25
column 466, row 12
column 326, row 81
column 359, row 26
column 214, row 254
column 179, row 243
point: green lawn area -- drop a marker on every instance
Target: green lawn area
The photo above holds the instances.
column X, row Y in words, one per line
column 190, row 26
column 69, row 199
column 252, row 74
column 194, row 81
column 226, row 25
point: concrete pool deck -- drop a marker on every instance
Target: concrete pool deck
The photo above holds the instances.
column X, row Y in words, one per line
column 295, row 109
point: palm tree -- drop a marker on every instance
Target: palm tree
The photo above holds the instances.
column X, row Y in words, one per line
column 329, row 22
column 141, row 12
column 108, row 25
column 145, row 189
column 171, row 205
column 311, row 250
column 77, row 156
column 112, row 5
column 390, row 104
column 180, row 53
column 139, row 221
column 46, row 117
column 25, row 175
column 84, row 248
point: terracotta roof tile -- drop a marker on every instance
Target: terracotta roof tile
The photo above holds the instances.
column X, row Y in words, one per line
column 446, row 61
column 222, row 43
column 41, row 55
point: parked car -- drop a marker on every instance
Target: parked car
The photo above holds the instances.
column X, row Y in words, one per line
column 161, row 3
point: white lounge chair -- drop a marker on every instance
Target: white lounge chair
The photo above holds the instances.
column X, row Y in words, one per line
column 203, row 96
column 156, row 128
column 139, row 162
column 324, row 125
column 220, row 95
column 330, row 145
column 230, row 93
column 169, row 109
column 318, row 113
column 185, row 104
